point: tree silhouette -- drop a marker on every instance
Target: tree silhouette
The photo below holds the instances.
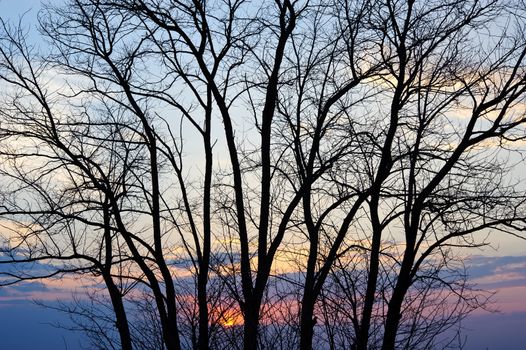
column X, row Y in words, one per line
column 301, row 173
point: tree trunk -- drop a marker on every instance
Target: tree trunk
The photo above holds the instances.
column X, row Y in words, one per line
column 395, row 304
column 203, row 311
column 120, row 314
column 307, row 322
column 250, row 329
column 363, row 335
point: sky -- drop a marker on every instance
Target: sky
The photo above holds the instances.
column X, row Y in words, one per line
column 25, row 325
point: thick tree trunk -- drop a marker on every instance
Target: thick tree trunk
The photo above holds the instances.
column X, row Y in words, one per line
column 251, row 326
column 307, row 322
column 203, row 311
column 202, row 280
column 395, row 304
column 171, row 335
column 392, row 321
column 120, row 314
column 372, row 278
column 363, row 335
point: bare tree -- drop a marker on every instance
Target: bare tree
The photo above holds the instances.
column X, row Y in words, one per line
column 431, row 178
column 286, row 163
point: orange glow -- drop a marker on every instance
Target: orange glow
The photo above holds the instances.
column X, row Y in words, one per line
column 228, row 317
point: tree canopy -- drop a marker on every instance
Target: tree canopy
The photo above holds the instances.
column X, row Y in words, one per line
column 263, row 175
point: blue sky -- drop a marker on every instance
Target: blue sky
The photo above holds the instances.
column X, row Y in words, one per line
column 25, row 325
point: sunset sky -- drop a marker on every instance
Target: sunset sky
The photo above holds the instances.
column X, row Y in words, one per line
column 500, row 269
column 25, row 325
